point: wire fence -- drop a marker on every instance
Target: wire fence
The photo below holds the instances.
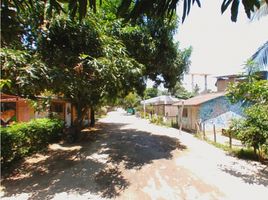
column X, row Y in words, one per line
column 218, row 135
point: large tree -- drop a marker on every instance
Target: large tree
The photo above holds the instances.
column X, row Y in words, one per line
column 25, row 72
column 88, row 63
column 97, row 57
column 133, row 9
column 150, row 42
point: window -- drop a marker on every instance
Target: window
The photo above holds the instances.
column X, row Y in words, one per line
column 57, row 107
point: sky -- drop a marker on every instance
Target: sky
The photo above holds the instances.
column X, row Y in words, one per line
column 220, row 46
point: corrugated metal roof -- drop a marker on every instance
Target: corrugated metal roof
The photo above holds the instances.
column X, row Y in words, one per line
column 161, row 100
column 197, row 100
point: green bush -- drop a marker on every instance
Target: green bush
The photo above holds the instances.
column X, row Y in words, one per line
column 253, row 130
column 157, row 120
column 22, row 139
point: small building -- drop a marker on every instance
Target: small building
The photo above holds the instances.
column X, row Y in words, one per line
column 211, row 109
column 163, row 106
column 208, row 109
column 18, row 109
column 223, row 81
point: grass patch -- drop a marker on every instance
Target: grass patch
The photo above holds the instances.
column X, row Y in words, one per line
column 242, row 153
column 247, row 154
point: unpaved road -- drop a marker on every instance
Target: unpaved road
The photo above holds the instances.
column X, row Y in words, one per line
column 128, row 158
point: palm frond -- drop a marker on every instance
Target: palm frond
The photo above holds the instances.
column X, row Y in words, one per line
column 261, row 12
column 261, row 56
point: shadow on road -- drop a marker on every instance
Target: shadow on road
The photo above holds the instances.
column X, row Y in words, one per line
column 137, row 148
column 93, row 167
column 248, row 175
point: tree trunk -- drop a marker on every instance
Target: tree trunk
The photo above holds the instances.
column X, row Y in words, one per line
column 92, row 117
column 79, row 120
column 255, row 150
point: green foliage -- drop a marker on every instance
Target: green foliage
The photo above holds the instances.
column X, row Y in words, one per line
column 130, row 101
column 249, row 7
column 254, row 92
column 247, row 154
column 180, row 92
column 5, row 83
column 22, row 139
column 150, row 93
column 196, row 90
column 26, row 73
column 92, row 59
column 89, row 64
column 42, row 11
column 253, row 130
column 150, row 42
column 157, row 120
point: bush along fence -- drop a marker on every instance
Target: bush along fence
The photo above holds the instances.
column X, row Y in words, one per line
column 228, row 140
column 22, row 139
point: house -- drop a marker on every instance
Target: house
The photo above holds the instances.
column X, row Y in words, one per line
column 163, row 106
column 213, row 109
column 18, row 109
column 209, row 109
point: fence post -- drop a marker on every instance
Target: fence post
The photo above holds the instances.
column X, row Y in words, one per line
column 197, row 128
column 230, row 139
column 214, row 132
column 204, row 130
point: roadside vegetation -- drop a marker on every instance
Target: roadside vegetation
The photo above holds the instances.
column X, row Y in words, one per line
column 23, row 139
column 90, row 58
column 252, row 130
column 99, row 58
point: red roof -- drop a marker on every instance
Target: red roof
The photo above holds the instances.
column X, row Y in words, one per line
column 197, row 100
column 9, row 98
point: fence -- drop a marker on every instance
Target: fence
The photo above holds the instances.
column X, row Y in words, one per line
column 217, row 135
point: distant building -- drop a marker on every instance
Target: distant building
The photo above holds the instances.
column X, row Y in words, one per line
column 163, row 106
column 223, row 81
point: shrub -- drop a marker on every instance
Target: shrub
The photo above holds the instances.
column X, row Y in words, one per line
column 22, row 139
column 253, row 130
column 157, row 120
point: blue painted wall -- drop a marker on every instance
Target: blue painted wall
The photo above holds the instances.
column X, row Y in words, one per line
column 219, row 111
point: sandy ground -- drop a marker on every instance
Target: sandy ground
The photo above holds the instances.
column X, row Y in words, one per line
column 128, row 158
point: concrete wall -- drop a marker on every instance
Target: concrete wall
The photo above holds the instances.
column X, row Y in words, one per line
column 190, row 121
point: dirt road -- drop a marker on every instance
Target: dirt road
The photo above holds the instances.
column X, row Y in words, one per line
column 128, row 158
